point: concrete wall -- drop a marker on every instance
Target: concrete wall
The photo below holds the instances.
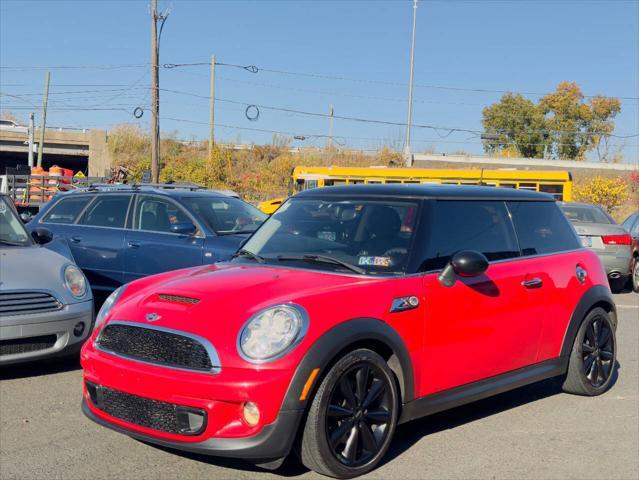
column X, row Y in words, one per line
column 91, row 144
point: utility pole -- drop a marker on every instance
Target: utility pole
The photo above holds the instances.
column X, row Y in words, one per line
column 43, row 126
column 407, row 150
column 329, row 139
column 212, row 113
column 31, row 137
column 155, row 96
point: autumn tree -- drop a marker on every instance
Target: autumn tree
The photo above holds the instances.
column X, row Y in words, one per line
column 562, row 124
column 577, row 126
column 516, row 122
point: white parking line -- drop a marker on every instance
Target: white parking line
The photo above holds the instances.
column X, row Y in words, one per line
column 627, row 306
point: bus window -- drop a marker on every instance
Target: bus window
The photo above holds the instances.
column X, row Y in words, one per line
column 556, row 191
column 507, row 185
column 310, row 184
column 373, row 181
column 393, row 181
column 450, row 183
column 334, row 181
column 528, row 186
column 356, row 182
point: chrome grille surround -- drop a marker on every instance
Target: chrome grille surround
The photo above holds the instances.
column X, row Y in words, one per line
column 215, row 365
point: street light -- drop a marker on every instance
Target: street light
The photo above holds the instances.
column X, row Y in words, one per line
column 407, row 153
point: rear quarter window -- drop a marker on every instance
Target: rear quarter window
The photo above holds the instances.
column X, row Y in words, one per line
column 66, row 210
column 542, row 228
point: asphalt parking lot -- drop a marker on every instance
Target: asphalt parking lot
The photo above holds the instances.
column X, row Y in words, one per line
column 535, row 432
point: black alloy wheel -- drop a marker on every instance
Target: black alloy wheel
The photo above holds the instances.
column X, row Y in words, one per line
column 352, row 417
column 593, row 357
column 358, row 415
column 598, row 351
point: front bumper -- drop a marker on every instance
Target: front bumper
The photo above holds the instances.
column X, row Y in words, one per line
column 272, row 442
column 220, row 395
column 59, row 324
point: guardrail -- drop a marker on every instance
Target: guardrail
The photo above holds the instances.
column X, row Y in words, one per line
column 33, row 191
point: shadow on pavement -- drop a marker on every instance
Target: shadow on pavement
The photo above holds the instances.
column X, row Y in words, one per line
column 410, row 433
column 39, row 367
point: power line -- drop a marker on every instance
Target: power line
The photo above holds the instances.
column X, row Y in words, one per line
column 256, row 69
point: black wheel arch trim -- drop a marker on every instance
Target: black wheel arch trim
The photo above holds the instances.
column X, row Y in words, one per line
column 595, row 295
column 331, row 343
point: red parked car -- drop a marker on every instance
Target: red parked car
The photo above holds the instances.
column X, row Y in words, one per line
column 353, row 309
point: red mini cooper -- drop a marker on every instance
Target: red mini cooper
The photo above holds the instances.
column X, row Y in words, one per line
column 353, row 309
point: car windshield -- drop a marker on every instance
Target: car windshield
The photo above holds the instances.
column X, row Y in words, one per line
column 12, row 232
column 225, row 216
column 357, row 235
column 585, row 214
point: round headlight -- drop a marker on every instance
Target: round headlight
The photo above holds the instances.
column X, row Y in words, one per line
column 107, row 305
column 271, row 333
column 75, row 281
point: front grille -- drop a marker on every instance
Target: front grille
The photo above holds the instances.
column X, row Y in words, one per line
column 26, row 345
column 146, row 412
column 155, row 346
column 23, row 303
column 178, row 299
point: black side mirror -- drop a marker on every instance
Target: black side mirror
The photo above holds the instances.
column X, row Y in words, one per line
column 467, row 263
column 182, row 228
column 42, row 235
column 26, row 217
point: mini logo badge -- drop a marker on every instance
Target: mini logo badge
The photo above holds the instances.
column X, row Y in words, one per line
column 152, row 317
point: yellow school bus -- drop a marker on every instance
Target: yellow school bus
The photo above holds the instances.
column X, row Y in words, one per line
column 557, row 183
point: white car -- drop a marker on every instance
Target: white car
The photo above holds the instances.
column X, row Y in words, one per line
column 12, row 126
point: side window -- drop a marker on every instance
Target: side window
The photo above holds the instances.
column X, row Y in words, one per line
column 628, row 223
column 635, row 230
column 542, row 228
column 66, row 210
column 469, row 225
column 156, row 214
column 107, row 211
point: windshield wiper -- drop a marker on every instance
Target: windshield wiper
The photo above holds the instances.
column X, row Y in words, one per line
column 322, row 259
column 13, row 244
column 248, row 254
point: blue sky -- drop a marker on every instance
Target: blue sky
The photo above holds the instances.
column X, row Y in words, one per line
column 518, row 45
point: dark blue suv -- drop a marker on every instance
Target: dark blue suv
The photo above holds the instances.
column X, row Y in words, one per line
column 120, row 233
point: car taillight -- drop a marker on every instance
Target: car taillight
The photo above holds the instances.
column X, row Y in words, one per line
column 617, row 239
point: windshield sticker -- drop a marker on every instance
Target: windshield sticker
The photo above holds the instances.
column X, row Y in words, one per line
column 330, row 236
column 375, row 261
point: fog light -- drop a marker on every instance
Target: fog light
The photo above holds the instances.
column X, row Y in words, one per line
column 78, row 329
column 251, row 414
column 191, row 421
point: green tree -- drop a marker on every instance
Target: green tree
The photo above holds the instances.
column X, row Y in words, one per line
column 563, row 124
column 516, row 122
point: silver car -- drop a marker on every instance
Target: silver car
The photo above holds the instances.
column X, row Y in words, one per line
column 610, row 241
column 46, row 305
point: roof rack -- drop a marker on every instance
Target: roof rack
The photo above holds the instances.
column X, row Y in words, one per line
column 192, row 187
column 135, row 186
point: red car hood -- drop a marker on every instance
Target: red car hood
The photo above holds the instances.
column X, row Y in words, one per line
column 228, row 294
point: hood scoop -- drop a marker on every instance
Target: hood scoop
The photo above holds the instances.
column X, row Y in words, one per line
column 165, row 297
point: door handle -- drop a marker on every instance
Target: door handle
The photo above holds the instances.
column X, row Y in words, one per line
column 533, row 283
column 134, row 244
column 76, row 239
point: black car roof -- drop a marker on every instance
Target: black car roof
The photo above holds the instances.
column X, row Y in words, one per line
column 451, row 192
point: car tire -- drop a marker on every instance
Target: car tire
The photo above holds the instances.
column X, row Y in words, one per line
column 634, row 277
column 352, row 418
column 617, row 285
column 593, row 356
